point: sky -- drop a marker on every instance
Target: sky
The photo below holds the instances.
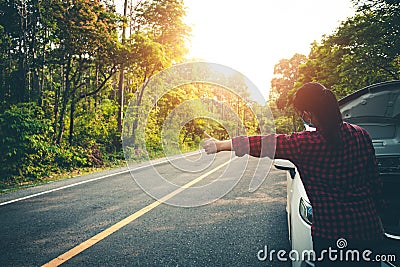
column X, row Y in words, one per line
column 252, row 36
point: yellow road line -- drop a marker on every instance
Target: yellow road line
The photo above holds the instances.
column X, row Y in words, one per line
column 112, row 229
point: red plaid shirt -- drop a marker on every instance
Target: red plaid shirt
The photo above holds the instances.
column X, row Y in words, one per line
column 343, row 186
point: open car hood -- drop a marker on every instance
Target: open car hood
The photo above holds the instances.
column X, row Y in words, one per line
column 378, row 102
column 377, row 109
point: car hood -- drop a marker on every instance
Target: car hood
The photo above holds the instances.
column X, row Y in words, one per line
column 377, row 109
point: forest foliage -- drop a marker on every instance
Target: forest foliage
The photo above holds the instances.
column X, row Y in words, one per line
column 363, row 50
column 68, row 70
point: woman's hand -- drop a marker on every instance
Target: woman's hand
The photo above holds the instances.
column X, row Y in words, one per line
column 212, row 145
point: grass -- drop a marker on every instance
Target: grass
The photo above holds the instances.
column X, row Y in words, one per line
column 8, row 187
column 12, row 187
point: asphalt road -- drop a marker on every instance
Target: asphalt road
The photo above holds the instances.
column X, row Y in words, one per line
column 39, row 224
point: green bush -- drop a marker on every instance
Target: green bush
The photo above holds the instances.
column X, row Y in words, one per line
column 96, row 132
column 27, row 152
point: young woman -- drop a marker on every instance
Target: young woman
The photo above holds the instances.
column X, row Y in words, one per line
column 338, row 168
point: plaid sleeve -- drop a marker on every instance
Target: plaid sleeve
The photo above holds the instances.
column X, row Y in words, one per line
column 271, row 145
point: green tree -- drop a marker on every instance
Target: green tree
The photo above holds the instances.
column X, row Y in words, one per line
column 26, row 154
column 363, row 50
column 286, row 74
column 63, row 55
column 86, row 48
column 158, row 41
column 19, row 23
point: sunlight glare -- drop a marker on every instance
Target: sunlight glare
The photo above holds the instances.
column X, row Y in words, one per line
column 252, row 36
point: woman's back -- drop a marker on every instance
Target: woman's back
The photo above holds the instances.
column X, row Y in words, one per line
column 342, row 184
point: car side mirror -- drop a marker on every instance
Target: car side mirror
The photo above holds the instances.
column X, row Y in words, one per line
column 285, row 165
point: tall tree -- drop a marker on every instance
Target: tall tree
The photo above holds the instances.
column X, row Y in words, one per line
column 286, row 74
column 19, row 23
column 363, row 50
column 122, row 72
column 158, row 41
column 86, row 39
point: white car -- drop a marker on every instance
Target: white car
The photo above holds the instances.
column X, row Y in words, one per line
column 376, row 108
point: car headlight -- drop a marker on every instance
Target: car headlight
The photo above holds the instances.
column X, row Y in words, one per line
column 305, row 211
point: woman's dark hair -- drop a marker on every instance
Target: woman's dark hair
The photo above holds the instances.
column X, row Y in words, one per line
column 322, row 103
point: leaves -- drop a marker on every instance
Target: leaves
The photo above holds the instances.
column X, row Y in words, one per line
column 63, row 56
column 364, row 49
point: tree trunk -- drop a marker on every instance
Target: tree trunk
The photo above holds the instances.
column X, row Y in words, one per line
column 121, row 77
column 56, row 100
column 65, row 96
column 121, row 98
column 42, row 73
column 61, row 120
column 71, row 121
column 135, row 123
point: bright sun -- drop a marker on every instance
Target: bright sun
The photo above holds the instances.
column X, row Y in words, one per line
column 252, row 36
